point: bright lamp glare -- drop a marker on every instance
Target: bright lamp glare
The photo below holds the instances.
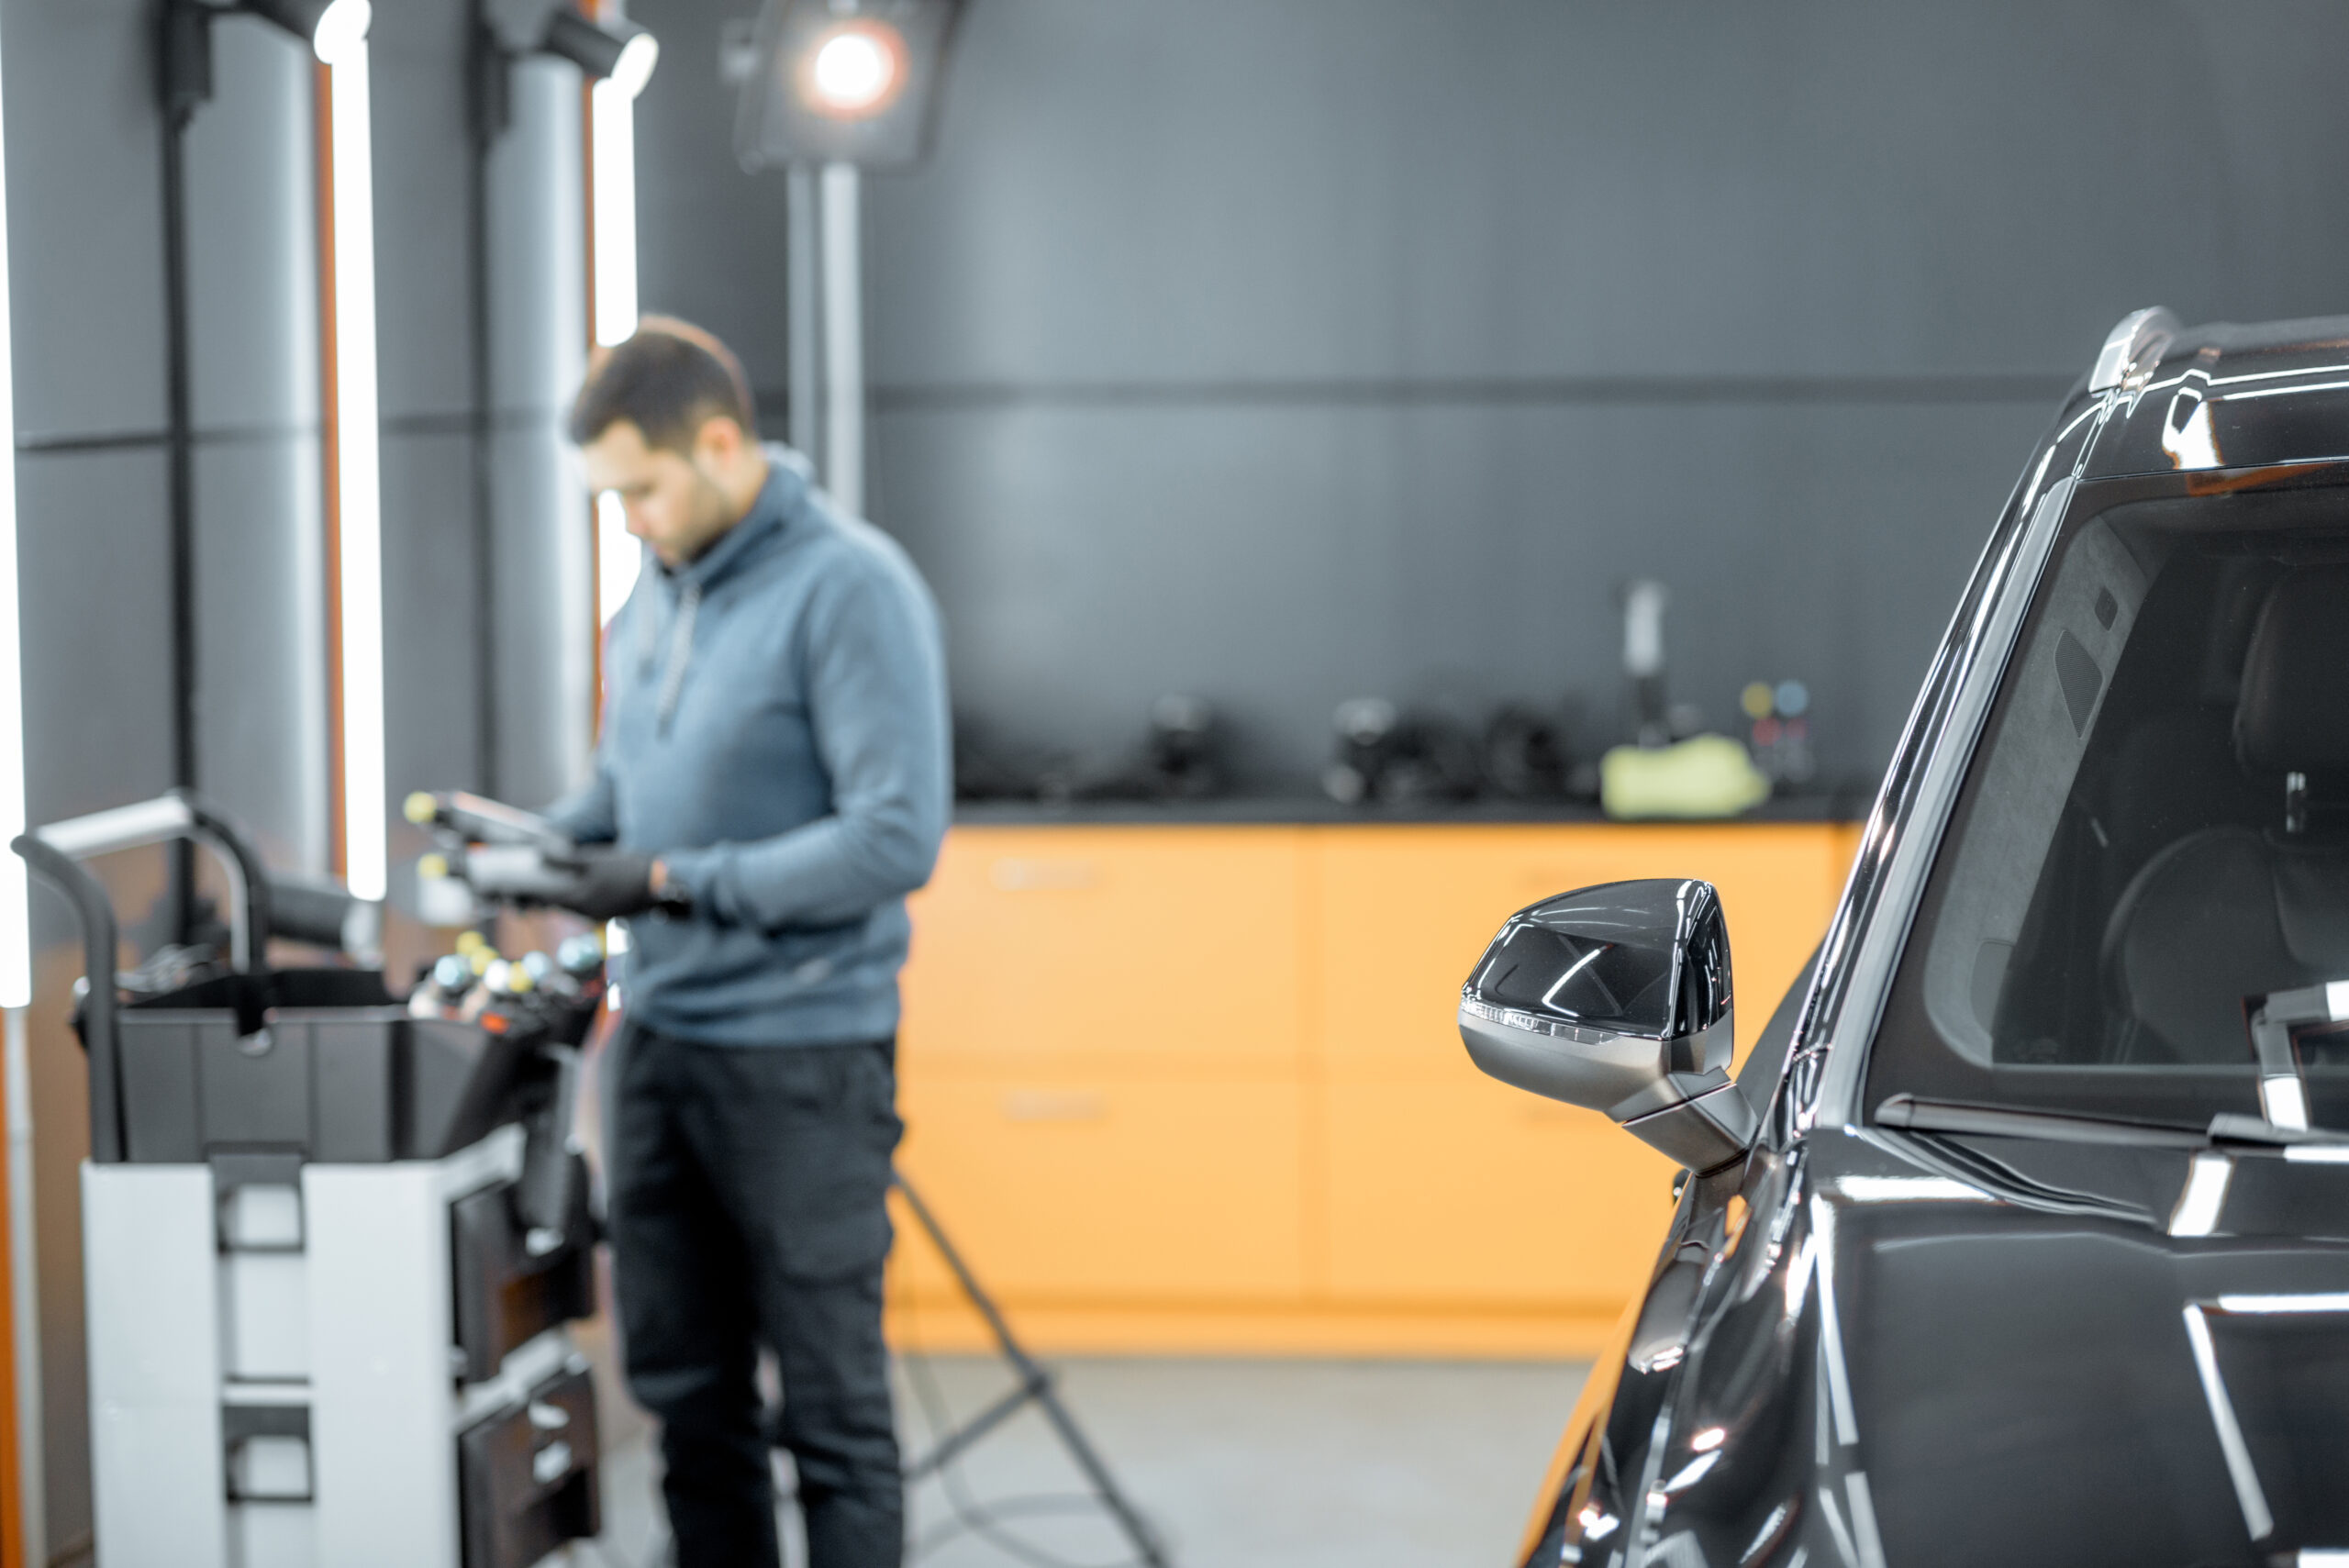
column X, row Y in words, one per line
column 341, row 30
column 855, row 71
column 619, row 558
column 612, row 178
column 358, row 495
column 634, row 67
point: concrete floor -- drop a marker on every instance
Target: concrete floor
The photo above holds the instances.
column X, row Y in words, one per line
column 1239, row 1464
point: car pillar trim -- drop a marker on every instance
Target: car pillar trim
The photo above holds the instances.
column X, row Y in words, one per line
column 2136, row 336
column 1794, row 1103
column 1916, row 832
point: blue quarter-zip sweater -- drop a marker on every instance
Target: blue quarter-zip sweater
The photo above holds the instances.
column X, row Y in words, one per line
column 775, row 729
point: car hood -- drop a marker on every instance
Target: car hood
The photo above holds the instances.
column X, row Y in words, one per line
column 1925, row 1350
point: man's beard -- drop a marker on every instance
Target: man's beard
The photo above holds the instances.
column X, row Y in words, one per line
column 712, row 512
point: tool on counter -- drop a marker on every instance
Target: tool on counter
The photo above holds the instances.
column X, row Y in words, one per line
column 1392, row 757
column 1527, row 756
column 1672, row 769
column 1180, row 758
column 1781, row 731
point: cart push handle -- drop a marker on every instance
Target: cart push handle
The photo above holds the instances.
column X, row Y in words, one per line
column 99, row 939
column 180, row 815
column 55, row 852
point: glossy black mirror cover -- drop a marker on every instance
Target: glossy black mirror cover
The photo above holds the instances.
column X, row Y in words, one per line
column 1617, row 998
column 1648, row 958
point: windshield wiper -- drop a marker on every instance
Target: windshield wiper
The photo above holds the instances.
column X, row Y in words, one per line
column 1912, row 1113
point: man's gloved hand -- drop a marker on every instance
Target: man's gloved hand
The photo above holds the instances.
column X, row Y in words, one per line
column 611, row 883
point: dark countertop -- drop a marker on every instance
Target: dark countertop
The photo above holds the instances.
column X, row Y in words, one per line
column 1302, row 809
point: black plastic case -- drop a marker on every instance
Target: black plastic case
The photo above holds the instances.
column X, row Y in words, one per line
column 293, row 1067
column 527, row 1474
column 504, row 1296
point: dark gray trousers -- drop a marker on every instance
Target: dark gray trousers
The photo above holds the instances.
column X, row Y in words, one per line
column 747, row 1207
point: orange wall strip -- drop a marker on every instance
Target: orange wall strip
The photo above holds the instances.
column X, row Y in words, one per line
column 331, row 458
column 12, row 1506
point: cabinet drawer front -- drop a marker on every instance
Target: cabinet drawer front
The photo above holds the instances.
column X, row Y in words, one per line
column 1120, row 1191
column 1166, row 947
column 1472, row 1194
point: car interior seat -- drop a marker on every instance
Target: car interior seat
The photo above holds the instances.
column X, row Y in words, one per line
column 2232, row 912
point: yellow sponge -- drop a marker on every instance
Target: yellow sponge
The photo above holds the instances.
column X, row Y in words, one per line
column 1706, row 775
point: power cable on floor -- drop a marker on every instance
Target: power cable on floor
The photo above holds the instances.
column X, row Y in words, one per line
column 984, row 1520
column 971, row 1517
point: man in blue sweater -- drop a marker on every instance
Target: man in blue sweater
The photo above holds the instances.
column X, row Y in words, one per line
column 771, row 780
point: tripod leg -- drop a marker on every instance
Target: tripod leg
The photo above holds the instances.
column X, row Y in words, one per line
column 1037, row 1383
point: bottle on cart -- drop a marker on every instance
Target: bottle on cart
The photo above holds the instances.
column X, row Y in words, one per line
column 582, row 956
column 490, row 972
column 548, row 977
column 442, row 989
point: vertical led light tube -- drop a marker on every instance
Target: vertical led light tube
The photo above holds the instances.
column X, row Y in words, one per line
column 614, row 177
column 612, row 142
column 358, row 489
column 28, row 1485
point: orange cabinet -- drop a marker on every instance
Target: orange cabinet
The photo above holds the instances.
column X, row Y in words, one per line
column 1111, row 1189
column 1150, row 949
column 1201, row 1087
column 1467, row 1194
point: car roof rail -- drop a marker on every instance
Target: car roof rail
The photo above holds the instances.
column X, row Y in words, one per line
column 2140, row 331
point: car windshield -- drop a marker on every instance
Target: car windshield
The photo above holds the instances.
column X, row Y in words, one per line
column 2145, row 888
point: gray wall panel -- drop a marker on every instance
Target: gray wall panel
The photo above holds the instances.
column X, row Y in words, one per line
column 542, row 599
column 96, row 734
column 97, row 638
column 1279, row 347
column 261, row 660
column 430, row 675
column 423, row 145
column 537, row 331
column 255, row 351
column 1385, row 187
column 545, row 626
column 255, row 365
column 1279, row 561
column 709, row 238
column 538, row 255
column 85, row 216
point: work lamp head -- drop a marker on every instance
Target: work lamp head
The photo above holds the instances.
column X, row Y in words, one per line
column 618, row 51
column 857, row 70
column 335, row 29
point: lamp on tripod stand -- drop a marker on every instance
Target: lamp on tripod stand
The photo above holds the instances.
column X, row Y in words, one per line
column 833, row 89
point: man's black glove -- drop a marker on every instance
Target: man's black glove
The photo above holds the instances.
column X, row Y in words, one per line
column 610, row 884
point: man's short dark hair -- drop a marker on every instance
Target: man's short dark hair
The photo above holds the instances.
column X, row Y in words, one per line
column 667, row 379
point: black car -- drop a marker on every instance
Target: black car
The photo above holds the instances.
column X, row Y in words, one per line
column 2022, row 1236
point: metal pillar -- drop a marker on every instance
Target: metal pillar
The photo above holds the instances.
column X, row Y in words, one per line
column 806, row 424
column 843, row 339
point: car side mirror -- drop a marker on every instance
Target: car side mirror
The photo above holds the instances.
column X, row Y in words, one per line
column 1617, row 999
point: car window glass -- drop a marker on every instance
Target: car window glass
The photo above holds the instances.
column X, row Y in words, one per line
column 2131, row 869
